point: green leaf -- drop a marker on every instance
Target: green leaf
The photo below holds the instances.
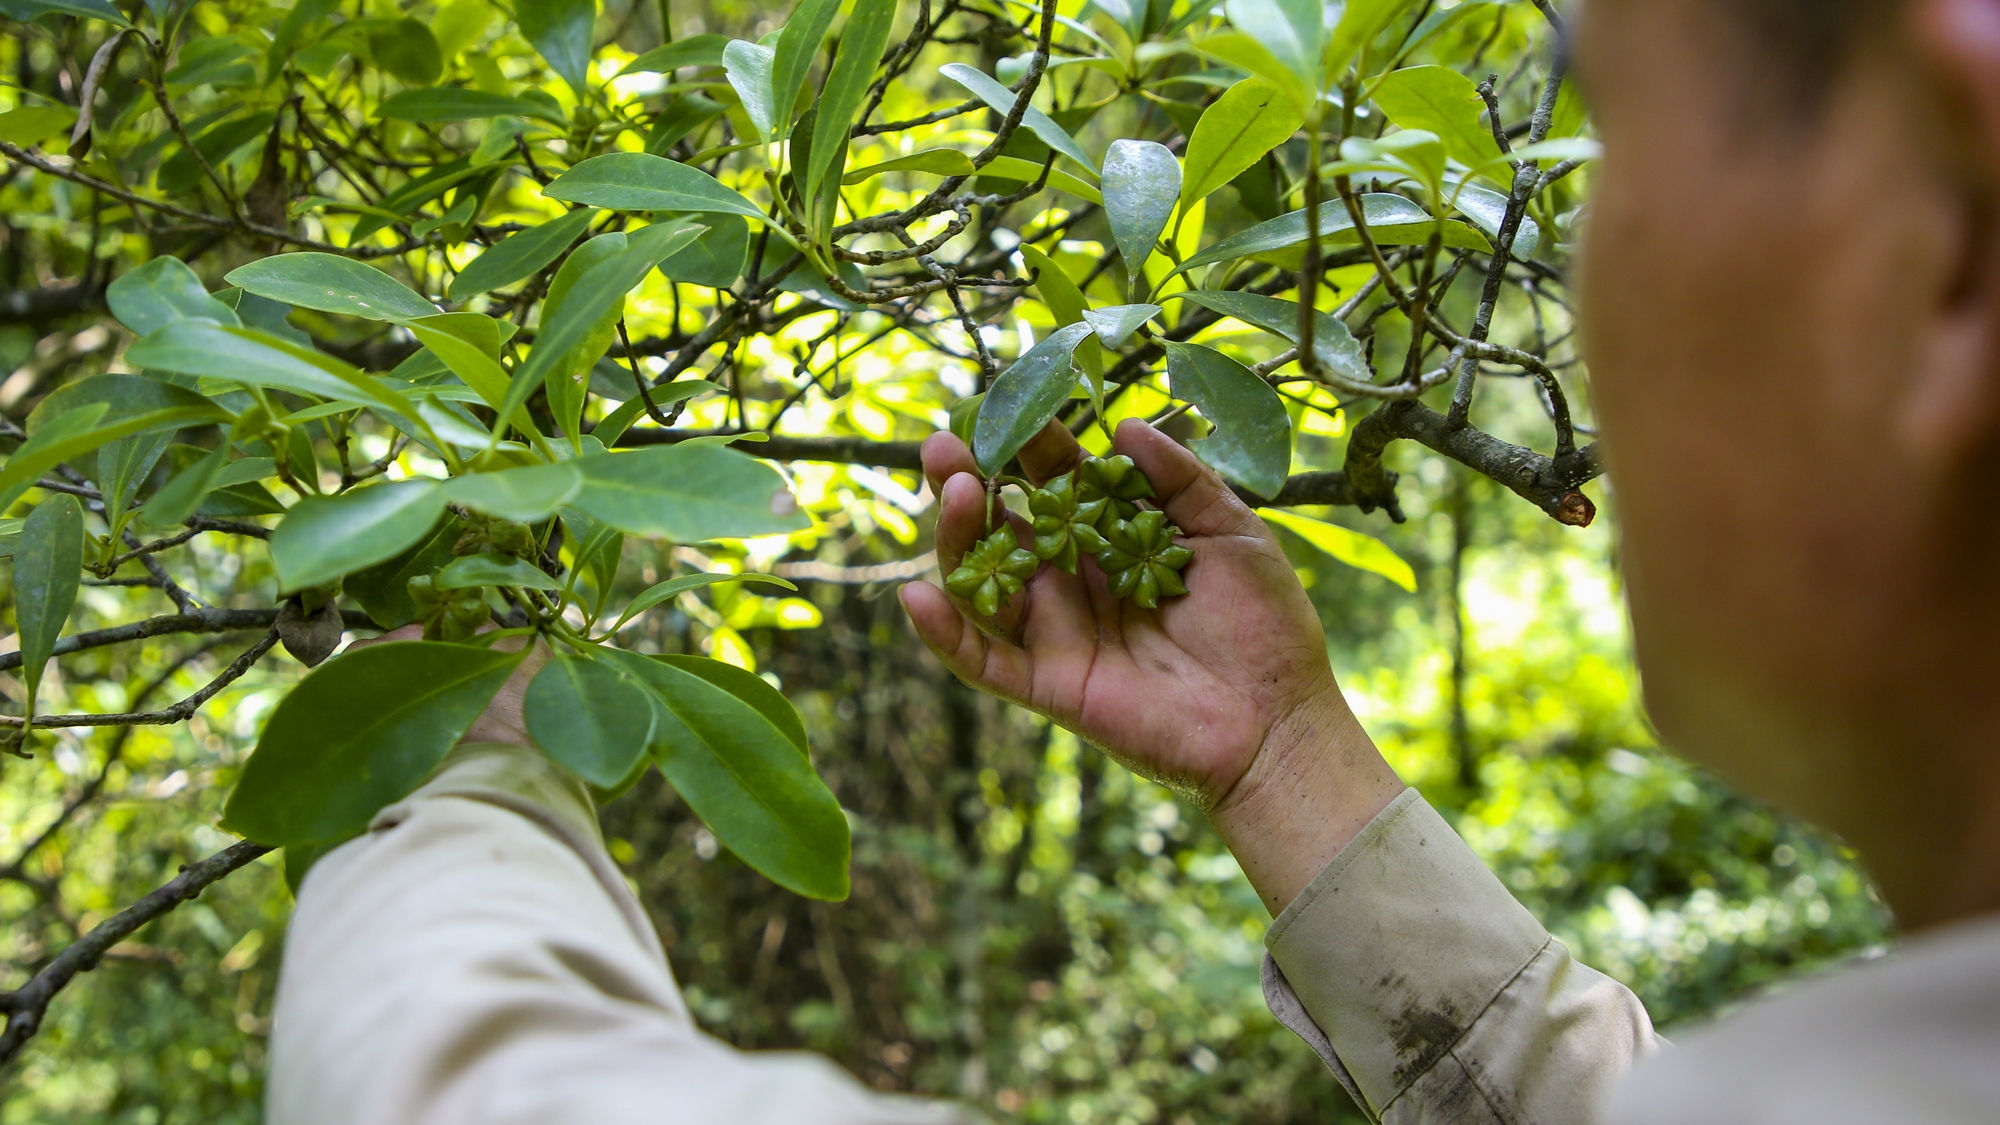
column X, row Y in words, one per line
column 325, row 537
column 1021, row 171
column 331, row 283
column 1360, row 22
column 1488, row 211
column 1336, row 347
column 451, row 103
column 1252, row 442
column 48, row 562
column 938, row 161
column 748, row 66
column 752, row 689
column 687, row 494
column 407, row 49
column 1291, row 30
column 1392, row 221
column 592, row 717
column 1142, row 182
column 1024, row 398
column 747, row 781
column 695, row 50
column 471, row 571
column 10, row 537
column 179, row 498
column 30, row 125
column 987, row 89
column 88, row 9
column 639, row 181
column 561, row 30
column 161, row 291
column 675, row 587
column 715, row 258
column 181, row 171
column 79, row 431
column 1439, row 100
column 600, row 290
column 1242, row 52
column 840, row 98
column 1250, row 119
column 1059, row 292
column 246, row 355
column 792, row 55
column 325, row 765
column 564, row 381
column 1115, row 325
column 1362, row 552
column 383, row 590
column 525, row 495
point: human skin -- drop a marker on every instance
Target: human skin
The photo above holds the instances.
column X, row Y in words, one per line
column 1793, row 334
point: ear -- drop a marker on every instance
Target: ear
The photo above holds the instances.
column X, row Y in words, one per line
column 1952, row 409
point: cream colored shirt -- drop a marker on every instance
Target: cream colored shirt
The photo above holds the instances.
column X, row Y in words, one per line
column 476, row 958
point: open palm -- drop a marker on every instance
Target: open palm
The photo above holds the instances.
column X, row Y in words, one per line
column 1187, row 693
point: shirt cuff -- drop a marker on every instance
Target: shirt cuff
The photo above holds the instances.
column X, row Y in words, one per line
column 1395, row 951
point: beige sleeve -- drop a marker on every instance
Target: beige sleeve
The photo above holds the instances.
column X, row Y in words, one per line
column 1437, row 998
column 475, row 957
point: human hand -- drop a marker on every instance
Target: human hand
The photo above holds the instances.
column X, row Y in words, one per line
column 501, row 721
column 1225, row 694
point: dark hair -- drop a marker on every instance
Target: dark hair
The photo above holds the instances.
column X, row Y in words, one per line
column 1797, row 47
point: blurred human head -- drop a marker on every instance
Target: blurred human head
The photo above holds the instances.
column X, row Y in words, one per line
column 1792, row 313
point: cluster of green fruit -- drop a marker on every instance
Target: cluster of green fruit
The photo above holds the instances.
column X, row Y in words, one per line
column 452, row 612
column 1090, row 511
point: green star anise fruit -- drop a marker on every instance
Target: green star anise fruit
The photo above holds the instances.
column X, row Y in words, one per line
column 1142, row 560
column 1115, row 477
column 1065, row 524
column 993, row 572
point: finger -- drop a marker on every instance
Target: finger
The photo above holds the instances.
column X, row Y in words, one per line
column 961, row 519
column 1187, row 490
column 945, row 456
column 406, row 633
column 982, row 661
column 1050, row 453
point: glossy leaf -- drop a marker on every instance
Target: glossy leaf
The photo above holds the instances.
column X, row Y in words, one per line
column 324, row 766
column 687, row 494
column 79, row 431
column 1488, row 211
column 1360, row 22
column 1362, row 552
column 1252, row 442
column 937, row 161
column 528, row 494
column 48, row 564
column 1142, row 182
column 448, row 103
column 470, row 571
column 792, row 55
column 747, row 781
column 987, row 89
column 88, row 9
column 592, row 717
column 331, row 283
column 246, row 355
column 1291, row 30
column 750, row 688
column 748, row 66
column 179, row 497
column 675, row 587
column 1250, row 119
column 383, row 590
column 1115, row 325
column 161, row 291
column 861, row 46
column 1392, row 221
column 639, row 181
column 324, row 537
column 561, row 30
column 407, row 49
column 716, row 257
column 1021, row 171
column 1336, row 347
column 1025, row 396
column 696, row 50
column 1440, row 100
column 1059, row 292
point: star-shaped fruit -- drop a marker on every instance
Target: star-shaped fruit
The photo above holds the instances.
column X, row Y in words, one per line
column 1142, row 560
column 993, row 572
column 1115, row 477
column 1065, row 524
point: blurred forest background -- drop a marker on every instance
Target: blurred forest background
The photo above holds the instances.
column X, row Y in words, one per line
column 1031, row 928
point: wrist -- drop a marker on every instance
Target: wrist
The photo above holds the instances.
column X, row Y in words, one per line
column 1315, row 783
